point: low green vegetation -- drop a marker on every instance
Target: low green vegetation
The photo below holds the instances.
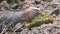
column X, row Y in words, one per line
column 42, row 18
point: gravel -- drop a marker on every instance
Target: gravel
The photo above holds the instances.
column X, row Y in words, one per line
column 51, row 7
column 44, row 29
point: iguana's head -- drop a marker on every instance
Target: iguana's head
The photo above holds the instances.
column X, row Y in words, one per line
column 30, row 13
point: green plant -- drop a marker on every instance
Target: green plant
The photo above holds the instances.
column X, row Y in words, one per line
column 40, row 19
column 15, row 4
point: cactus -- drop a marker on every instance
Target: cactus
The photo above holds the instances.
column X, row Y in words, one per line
column 42, row 18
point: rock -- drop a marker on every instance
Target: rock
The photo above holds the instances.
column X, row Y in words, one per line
column 56, row 12
column 25, row 31
column 47, row 0
column 37, row 1
column 4, row 5
column 50, row 8
column 45, row 29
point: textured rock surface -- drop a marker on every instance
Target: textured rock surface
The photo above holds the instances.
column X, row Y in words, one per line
column 50, row 6
column 44, row 29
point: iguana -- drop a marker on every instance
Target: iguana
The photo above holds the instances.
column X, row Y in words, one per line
column 9, row 18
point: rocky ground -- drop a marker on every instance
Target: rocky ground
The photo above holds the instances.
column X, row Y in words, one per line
column 51, row 7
